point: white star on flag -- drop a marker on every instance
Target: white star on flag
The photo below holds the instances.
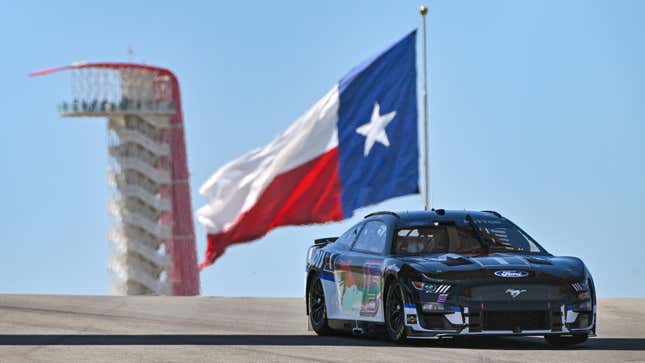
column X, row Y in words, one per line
column 375, row 129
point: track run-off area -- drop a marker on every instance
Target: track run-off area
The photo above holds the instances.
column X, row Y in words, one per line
column 47, row 328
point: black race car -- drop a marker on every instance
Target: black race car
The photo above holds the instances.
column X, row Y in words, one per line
column 446, row 273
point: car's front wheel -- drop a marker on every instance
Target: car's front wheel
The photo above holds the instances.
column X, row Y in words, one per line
column 394, row 313
column 317, row 308
column 565, row 340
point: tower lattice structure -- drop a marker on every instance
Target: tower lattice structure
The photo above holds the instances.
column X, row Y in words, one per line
column 152, row 234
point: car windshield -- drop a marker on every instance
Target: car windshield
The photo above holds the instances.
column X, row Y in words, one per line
column 480, row 236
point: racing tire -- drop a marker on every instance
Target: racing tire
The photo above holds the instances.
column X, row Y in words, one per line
column 395, row 313
column 317, row 307
column 565, row 340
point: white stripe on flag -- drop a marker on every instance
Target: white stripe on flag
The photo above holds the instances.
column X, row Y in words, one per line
column 236, row 187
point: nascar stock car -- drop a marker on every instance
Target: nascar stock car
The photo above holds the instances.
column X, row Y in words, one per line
column 446, row 273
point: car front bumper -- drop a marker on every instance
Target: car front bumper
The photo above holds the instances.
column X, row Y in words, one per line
column 502, row 319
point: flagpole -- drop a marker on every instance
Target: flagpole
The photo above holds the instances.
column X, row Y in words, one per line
column 424, row 10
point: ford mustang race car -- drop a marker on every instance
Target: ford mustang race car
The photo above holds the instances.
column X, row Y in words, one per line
column 446, row 273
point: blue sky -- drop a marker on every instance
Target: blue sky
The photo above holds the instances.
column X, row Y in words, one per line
column 536, row 110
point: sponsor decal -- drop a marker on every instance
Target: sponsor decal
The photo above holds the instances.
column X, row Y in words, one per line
column 392, row 267
column 371, row 288
column 515, row 292
column 511, row 273
column 358, row 293
column 412, row 319
column 323, row 260
column 442, row 298
column 328, row 262
column 317, row 257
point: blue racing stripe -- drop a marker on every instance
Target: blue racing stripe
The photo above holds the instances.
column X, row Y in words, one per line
column 327, row 276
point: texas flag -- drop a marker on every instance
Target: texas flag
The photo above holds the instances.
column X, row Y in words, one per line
column 355, row 147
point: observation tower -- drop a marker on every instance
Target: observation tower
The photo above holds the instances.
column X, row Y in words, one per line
column 152, row 235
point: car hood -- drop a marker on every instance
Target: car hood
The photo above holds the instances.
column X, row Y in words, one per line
column 452, row 266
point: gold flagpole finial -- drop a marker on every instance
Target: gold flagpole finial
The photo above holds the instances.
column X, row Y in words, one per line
column 423, row 10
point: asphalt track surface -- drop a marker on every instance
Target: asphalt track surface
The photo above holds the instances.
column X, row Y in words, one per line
column 160, row 329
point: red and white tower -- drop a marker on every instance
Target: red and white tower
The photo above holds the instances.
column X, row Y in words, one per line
column 153, row 240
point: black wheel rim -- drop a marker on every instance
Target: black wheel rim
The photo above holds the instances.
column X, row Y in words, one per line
column 395, row 309
column 317, row 303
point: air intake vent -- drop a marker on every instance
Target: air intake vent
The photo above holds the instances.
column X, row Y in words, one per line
column 516, row 321
column 539, row 261
column 451, row 261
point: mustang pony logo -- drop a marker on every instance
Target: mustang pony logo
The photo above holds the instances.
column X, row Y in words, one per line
column 514, row 292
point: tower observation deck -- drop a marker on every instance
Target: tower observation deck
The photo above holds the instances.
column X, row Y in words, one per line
column 152, row 233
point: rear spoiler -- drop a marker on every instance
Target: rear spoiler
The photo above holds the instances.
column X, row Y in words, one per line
column 324, row 241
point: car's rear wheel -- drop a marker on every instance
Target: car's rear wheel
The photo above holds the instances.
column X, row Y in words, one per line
column 394, row 313
column 317, row 308
column 565, row 340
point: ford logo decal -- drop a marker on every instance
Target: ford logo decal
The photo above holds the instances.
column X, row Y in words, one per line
column 511, row 273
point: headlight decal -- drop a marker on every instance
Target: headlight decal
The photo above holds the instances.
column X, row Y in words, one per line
column 431, row 288
column 577, row 287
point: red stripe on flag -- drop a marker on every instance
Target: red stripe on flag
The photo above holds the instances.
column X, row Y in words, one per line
column 307, row 194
